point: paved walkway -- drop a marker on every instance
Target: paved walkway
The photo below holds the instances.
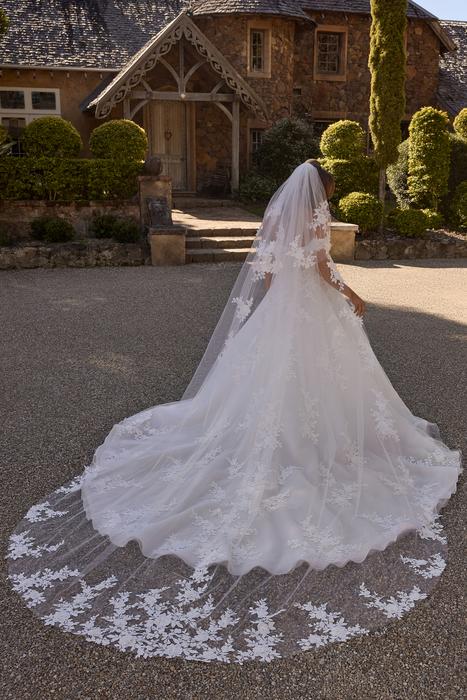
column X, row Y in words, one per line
column 83, row 348
column 216, row 218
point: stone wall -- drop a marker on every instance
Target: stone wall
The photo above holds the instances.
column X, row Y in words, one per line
column 17, row 215
column 411, row 249
column 91, row 253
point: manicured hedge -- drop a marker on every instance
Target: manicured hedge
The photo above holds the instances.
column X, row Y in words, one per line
column 409, row 222
column 459, row 205
column 68, row 179
column 429, row 157
column 460, row 123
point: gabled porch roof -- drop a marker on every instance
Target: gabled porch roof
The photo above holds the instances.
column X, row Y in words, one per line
column 146, row 58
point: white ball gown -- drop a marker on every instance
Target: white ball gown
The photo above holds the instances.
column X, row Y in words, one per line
column 288, row 501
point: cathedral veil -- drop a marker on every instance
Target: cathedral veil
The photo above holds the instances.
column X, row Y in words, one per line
column 289, row 500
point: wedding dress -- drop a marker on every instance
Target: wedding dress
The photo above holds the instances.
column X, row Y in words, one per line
column 289, row 500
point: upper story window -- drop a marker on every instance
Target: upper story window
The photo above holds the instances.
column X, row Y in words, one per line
column 259, row 49
column 19, row 106
column 330, row 59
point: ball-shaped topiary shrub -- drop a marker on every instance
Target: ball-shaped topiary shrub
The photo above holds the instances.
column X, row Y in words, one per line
column 52, row 137
column 362, row 209
column 344, row 139
column 126, row 231
column 434, row 219
column 52, row 229
column 459, row 206
column 119, row 139
column 460, row 123
column 409, row 222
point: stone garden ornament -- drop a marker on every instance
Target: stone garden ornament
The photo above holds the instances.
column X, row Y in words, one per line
column 288, row 501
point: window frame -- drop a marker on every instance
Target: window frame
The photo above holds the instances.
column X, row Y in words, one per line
column 331, row 29
column 28, row 111
column 265, row 27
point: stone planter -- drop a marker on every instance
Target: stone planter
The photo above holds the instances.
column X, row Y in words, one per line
column 167, row 245
column 343, row 241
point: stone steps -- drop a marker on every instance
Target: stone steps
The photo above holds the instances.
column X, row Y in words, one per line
column 202, row 255
column 222, row 242
column 184, row 201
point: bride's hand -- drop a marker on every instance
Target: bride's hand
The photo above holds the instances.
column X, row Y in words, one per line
column 358, row 303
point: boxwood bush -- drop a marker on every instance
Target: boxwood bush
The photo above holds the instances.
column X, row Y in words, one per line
column 343, row 140
column 52, row 229
column 397, row 174
column 363, row 209
column 54, row 137
column 411, row 223
column 119, row 139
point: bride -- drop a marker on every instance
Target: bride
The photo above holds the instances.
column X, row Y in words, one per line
column 289, row 500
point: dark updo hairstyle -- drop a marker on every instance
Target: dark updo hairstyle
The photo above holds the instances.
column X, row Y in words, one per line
column 327, row 179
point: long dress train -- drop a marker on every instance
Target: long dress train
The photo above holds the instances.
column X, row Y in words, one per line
column 289, row 500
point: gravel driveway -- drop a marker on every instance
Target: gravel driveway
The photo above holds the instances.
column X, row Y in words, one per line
column 83, row 348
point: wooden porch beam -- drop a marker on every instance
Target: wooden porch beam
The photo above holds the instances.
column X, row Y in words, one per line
column 189, row 96
column 235, row 145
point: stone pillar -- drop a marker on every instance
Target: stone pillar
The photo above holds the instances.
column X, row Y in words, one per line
column 167, row 245
column 343, row 241
column 157, row 186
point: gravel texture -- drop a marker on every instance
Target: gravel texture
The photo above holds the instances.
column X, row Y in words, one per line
column 82, row 349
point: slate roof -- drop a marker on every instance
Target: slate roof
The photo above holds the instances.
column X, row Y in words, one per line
column 452, row 91
column 105, row 34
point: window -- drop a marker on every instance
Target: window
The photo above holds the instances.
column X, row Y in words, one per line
column 19, row 106
column 256, row 139
column 330, row 60
column 259, row 49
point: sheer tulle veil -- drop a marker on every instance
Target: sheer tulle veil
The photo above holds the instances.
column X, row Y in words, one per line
column 289, row 500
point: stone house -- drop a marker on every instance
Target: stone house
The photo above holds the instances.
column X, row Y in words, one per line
column 204, row 78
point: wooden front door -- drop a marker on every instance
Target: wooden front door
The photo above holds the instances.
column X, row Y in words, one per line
column 168, row 120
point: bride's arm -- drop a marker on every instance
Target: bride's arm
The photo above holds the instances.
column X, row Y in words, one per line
column 329, row 273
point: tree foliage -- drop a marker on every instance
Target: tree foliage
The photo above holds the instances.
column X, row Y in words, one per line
column 343, row 140
column 285, row 145
column 460, row 123
column 4, row 22
column 387, row 66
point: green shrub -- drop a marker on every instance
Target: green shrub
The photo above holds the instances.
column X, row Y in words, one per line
column 429, row 157
column 52, row 229
column 362, row 209
column 285, row 145
column 110, row 226
column 360, row 173
column 343, row 140
column 397, row 174
column 126, row 231
column 52, row 137
column 110, row 179
column 459, row 206
column 256, row 188
column 102, row 225
column 458, row 164
column 434, row 219
column 119, row 139
column 409, row 222
column 460, row 123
